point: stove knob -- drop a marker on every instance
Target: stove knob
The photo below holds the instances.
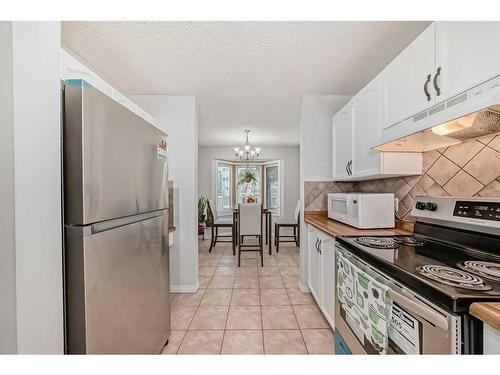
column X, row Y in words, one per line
column 431, row 206
column 420, row 206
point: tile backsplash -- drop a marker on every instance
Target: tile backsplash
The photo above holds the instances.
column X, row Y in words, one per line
column 468, row 169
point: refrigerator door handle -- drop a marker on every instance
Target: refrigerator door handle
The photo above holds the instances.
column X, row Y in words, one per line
column 88, row 230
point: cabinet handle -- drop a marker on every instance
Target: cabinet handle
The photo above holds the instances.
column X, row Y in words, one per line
column 316, row 244
column 319, row 250
column 426, row 87
column 347, row 168
column 435, row 81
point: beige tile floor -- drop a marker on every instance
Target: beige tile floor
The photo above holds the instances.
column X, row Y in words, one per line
column 248, row 310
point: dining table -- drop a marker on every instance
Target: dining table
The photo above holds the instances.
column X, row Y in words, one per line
column 266, row 214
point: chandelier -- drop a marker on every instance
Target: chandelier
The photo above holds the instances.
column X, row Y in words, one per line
column 247, row 154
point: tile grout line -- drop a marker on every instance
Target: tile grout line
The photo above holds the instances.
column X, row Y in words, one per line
column 294, row 314
column 261, row 309
column 473, row 156
column 261, row 316
column 197, row 307
column 434, row 162
column 227, row 317
column 259, row 276
column 459, row 167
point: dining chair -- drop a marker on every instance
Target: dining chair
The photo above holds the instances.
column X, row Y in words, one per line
column 250, row 224
column 279, row 224
column 214, row 221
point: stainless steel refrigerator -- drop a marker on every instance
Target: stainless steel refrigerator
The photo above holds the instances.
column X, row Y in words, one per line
column 115, row 177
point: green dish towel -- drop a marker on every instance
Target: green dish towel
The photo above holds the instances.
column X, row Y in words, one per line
column 367, row 301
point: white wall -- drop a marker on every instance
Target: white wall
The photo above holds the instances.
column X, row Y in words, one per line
column 288, row 154
column 32, row 159
column 315, row 152
column 8, row 332
column 72, row 68
column 177, row 116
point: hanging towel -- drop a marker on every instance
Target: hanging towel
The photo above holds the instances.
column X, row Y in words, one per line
column 366, row 301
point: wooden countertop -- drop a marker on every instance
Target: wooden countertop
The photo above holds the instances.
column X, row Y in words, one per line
column 488, row 312
column 335, row 228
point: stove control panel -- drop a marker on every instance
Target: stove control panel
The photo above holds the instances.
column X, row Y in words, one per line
column 429, row 206
column 474, row 213
column 477, row 210
column 420, row 206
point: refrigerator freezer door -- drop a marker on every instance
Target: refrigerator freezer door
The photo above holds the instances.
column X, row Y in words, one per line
column 118, row 289
column 112, row 167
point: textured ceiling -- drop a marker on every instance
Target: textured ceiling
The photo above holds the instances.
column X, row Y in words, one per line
column 245, row 75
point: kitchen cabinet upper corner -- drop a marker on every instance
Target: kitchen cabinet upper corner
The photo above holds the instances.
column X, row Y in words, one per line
column 342, row 138
column 467, row 54
column 407, row 80
column 446, row 59
column 356, row 128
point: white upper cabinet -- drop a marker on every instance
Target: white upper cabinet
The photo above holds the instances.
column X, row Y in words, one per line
column 407, row 80
column 467, row 54
column 342, row 142
column 445, row 60
column 367, row 129
column 356, row 129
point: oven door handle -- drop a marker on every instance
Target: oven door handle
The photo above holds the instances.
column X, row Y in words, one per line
column 405, row 302
column 436, row 319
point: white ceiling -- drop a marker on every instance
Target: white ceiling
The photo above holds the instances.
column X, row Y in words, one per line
column 245, row 75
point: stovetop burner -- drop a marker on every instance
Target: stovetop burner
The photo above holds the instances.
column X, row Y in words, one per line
column 488, row 270
column 453, row 277
column 408, row 240
column 378, row 242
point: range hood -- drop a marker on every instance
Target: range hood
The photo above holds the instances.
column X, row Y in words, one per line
column 470, row 115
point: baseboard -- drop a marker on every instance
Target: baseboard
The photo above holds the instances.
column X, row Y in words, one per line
column 303, row 287
column 185, row 288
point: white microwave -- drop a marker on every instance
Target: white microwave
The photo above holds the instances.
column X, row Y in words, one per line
column 362, row 210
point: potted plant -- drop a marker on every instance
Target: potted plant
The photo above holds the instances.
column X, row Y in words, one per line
column 247, row 177
column 202, row 206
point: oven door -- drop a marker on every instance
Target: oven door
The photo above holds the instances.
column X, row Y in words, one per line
column 417, row 325
column 344, row 209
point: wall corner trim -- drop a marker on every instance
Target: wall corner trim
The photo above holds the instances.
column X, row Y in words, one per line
column 186, row 288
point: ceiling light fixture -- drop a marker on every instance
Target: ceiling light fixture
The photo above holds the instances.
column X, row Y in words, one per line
column 247, row 153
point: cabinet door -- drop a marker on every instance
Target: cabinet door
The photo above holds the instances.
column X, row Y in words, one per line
column 491, row 340
column 327, row 248
column 468, row 54
column 367, row 130
column 314, row 264
column 404, row 79
column 342, row 141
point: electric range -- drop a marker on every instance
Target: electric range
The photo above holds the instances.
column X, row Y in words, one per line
column 451, row 260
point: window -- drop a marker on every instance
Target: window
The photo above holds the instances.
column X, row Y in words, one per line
column 223, row 187
column 234, row 182
column 248, row 182
column 272, row 188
